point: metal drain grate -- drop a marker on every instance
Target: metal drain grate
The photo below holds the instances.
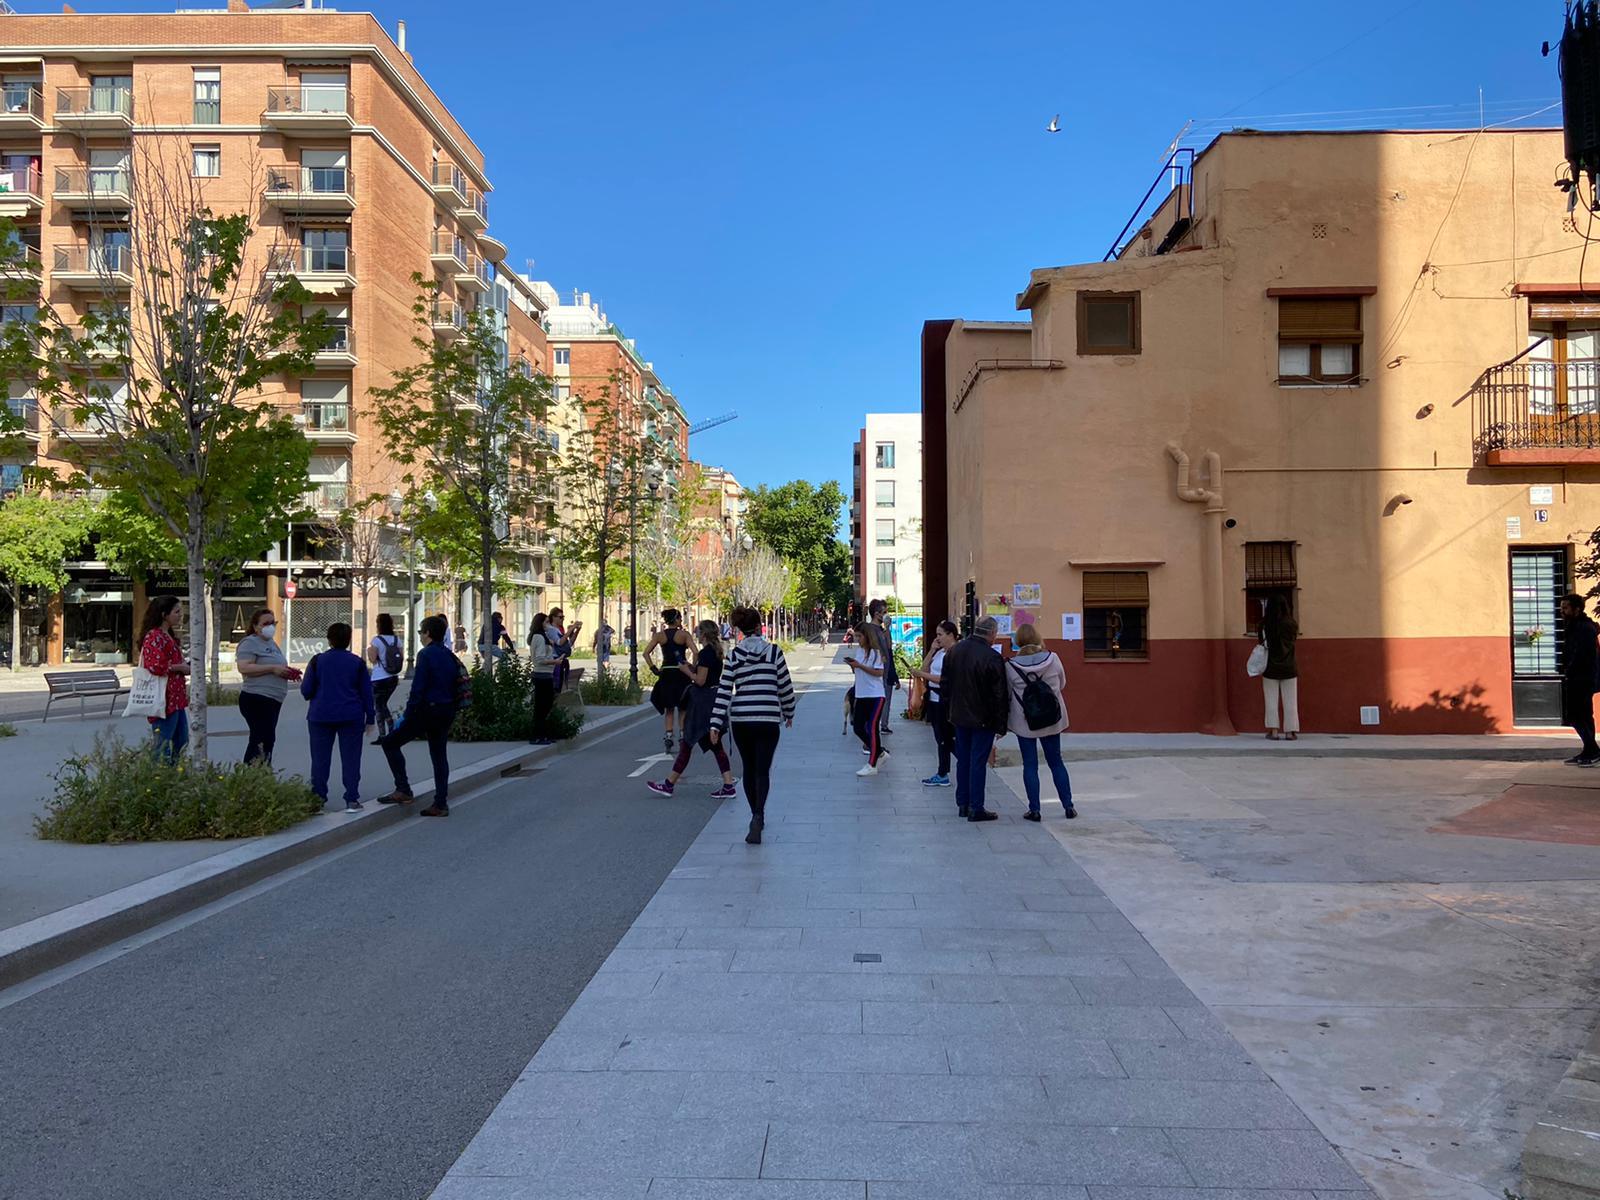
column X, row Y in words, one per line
column 878, row 958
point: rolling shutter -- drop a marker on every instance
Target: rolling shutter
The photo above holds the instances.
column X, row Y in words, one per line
column 1323, row 319
column 1108, row 589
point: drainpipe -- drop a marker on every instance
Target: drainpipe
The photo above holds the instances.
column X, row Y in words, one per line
column 1219, row 724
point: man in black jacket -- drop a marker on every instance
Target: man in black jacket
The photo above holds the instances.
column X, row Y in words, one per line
column 973, row 686
column 1578, row 677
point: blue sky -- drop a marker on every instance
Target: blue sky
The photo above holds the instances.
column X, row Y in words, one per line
column 772, row 198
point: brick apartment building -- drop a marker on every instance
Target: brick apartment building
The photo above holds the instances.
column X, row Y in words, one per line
column 1356, row 370
column 319, row 124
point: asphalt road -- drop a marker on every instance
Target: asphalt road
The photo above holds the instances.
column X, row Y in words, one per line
column 345, row 1033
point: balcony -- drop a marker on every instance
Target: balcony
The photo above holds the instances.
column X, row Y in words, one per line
column 449, row 186
column 473, row 212
column 20, row 263
column 97, row 345
column 21, row 109
column 326, row 422
column 341, row 351
column 94, row 190
column 494, row 250
column 293, row 190
column 327, row 269
column 88, row 268
column 474, row 275
column 22, row 188
column 1533, row 412
column 98, row 110
column 449, row 319
column 449, row 252
column 24, row 421
column 314, row 108
column 327, row 499
column 86, row 428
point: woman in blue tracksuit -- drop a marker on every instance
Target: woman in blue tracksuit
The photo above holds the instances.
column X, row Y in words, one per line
column 340, row 690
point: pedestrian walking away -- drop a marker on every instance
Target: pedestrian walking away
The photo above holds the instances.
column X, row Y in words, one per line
column 603, row 637
column 1280, row 682
column 449, row 640
column 867, row 663
column 339, row 688
column 387, row 658
column 430, row 711
column 705, row 678
column 935, row 711
column 542, row 654
column 496, row 642
column 973, row 686
column 1578, row 682
column 755, row 701
column 672, row 684
column 162, row 656
column 1038, row 715
column 267, row 676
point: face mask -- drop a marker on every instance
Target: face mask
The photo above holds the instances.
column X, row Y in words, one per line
column 269, row 631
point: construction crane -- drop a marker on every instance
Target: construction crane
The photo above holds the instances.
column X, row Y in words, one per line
column 712, row 423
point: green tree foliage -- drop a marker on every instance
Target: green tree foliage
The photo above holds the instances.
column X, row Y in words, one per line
column 38, row 534
column 800, row 521
column 466, row 427
column 166, row 398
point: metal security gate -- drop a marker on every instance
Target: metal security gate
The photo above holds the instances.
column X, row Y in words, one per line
column 1538, row 581
column 308, row 625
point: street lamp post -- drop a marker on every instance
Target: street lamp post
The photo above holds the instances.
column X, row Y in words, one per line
column 633, row 577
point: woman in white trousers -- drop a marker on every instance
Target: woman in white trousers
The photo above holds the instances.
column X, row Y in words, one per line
column 1281, row 680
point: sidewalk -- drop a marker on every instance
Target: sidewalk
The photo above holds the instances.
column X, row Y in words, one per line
column 884, row 1001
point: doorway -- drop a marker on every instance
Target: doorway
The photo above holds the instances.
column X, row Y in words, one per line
column 1540, row 576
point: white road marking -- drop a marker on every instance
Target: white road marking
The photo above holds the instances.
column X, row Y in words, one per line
column 646, row 763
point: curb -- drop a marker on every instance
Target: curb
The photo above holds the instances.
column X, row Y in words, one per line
column 1439, row 754
column 58, row 938
column 1561, row 1156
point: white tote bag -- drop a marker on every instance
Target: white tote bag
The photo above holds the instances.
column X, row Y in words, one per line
column 1256, row 665
column 148, row 697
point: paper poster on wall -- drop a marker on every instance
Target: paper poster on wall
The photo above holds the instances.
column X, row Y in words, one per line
column 1513, row 529
column 1072, row 627
column 1000, row 609
column 1027, row 595
column 1003, row 623
column 1541, row 494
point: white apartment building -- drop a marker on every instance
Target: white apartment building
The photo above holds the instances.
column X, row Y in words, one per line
column 886, row 509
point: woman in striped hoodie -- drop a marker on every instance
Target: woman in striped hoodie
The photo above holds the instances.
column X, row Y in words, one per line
column 756, row 700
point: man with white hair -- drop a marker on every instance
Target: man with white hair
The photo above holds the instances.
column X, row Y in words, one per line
column 973, row 687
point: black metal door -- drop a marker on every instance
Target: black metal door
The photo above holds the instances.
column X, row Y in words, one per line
column 1538, row 581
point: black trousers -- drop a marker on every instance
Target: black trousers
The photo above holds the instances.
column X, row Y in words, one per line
column 544, row 699
column 1583, row 726
column 431, row 722
column 260, row 714
column 758, row 743
column 944, row 733
column 382, row 689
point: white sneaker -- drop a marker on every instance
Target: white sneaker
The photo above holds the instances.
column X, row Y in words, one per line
column 868, row 769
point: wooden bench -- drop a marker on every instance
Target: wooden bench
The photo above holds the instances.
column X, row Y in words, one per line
column 85, row 685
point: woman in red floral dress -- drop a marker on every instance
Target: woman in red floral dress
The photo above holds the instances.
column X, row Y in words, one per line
column 162, row 656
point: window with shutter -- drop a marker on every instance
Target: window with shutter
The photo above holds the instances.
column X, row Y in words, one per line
column 1116, row 614
column 1319, row 339
column 1269, row 571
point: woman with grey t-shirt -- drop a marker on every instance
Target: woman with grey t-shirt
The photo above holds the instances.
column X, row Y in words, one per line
column 267, row 675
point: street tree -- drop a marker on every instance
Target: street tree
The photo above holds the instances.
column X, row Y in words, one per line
column 691, row 550
column 800, row 521
column 761, row 579
column 163, row 396
column 39, row 533
column 372, row 552
column 464, row 424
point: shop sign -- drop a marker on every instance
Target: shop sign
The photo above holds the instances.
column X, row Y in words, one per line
column 330, row 587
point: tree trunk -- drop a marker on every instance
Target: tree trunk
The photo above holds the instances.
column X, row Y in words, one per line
column 602, row 582
column 215, row 599
column 16, row 628
column 485, row 599
column 199, row 620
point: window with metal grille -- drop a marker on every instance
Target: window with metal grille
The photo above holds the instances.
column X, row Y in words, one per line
column 1108, row 323
column 1269, row 570
column 1319, row 339
column 1116, row 614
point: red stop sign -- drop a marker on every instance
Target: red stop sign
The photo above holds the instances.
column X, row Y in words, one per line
column 290, row 587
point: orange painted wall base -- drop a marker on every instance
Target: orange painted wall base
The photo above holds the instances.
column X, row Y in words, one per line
column 1420, row 685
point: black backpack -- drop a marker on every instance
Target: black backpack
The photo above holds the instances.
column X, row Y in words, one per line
column 1041, row 707
column 394, row 659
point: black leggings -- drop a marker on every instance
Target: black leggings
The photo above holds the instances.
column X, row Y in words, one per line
column 260, row 714
column 869, row 711
column 382, row 689
column 757, row 742
column 544, row 699
column 944, row 734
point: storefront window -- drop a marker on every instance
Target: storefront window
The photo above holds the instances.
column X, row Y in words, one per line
column 97, row 619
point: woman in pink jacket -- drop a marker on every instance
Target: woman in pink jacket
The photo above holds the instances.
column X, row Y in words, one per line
column 1034, row 669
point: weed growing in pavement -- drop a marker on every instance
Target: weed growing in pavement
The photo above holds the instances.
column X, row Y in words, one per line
column 610, row 688
column 220, row 696
column 8, row 731
column 122, row 793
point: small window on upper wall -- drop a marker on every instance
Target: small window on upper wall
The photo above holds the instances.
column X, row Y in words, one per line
column 563, row 356
column 208, row 95
column 1108, row 323
column 1319, row 339
column 207, row 162
column 883, row 493
column 886, row 455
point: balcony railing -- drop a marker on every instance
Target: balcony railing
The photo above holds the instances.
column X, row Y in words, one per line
column 475, row 208
column 24, row 413
column 314, row 260
column 21, row 101
column 98, row 343
column 112, row 101
column 342, row 345
column 446, row 176
column 449, row 249
column 326, row 416
column 328, row 497
column 310, row 181
column 309, row 100
column 107, row 263
column 23, row 181
column 109, row 185
column 1534, row 411
column 447, row 316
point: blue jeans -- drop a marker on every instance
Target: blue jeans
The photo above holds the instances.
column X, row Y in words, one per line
column 1030, row 769
column 972, row 767
column 171, row 735
column 321, row 735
